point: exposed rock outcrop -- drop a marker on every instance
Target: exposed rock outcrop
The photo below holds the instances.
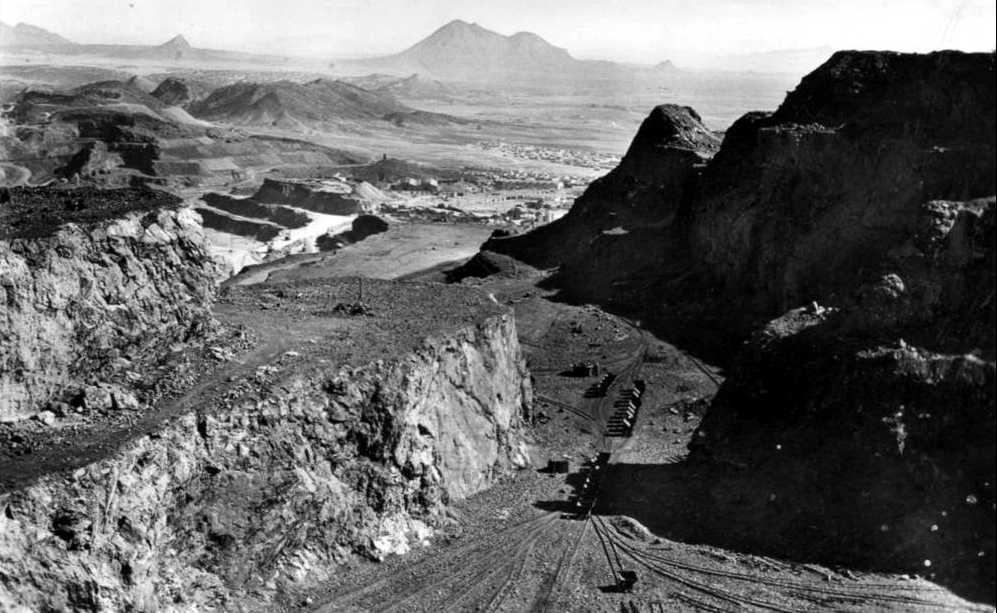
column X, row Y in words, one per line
column 878, row 446
column 174, row 91
column 801, row 204
column 90, row 160
column 306, row 197
column 87, row 276
column 248, row 207
column 262, row 231
column 859, row 428
column 284, row 474
column 362, row 227
column 634, row 205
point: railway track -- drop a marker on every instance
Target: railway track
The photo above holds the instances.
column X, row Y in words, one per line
column 491, row 573
column 625, row 377
column 567, row 407
column 863, row 592
column 708, row 589
column 480, row 575
column 860, row 594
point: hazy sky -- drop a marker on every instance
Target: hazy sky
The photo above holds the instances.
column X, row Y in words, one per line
column 644, row 31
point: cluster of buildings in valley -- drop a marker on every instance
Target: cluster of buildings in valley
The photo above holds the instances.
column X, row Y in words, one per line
column 523, row 215
column 568, row 157
column 502, row 198
column 479, row 181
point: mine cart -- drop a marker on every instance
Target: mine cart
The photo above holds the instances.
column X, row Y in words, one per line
column 625, row 580
column 562, row 465
column 584, row 369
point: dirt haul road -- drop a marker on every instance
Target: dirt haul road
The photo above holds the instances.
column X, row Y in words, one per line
column 524, row 546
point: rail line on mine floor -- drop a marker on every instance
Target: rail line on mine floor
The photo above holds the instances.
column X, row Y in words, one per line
column 482, row 574
column 859, row 594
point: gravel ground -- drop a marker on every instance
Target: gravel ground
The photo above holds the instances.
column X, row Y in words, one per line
column 33, row 212
column 257, row 326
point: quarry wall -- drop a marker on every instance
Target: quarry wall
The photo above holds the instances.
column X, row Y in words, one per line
column 288, row 475
column 84, row 296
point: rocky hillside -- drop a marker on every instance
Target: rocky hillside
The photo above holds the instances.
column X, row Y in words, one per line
column 90, row 277
column 796, row 205
column 350, row 442
column 867, row 430
column 176, row 91
column 114, row 116
column 803, row 203
column 858, row 425
column 115, row 133
column 293, row 106
column 627, row 235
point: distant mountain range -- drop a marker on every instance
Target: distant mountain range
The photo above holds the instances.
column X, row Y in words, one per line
column 468, row 53
column 458, row 52
column 26, row 37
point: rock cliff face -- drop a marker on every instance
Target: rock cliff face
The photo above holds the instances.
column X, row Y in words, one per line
column 858, row 425
column 279, row 478
column 801, row 204
column 88, row 277
column 868, row 430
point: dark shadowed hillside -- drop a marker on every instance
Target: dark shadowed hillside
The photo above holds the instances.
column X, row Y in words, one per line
column 795, row 204
column 176, row 91
column 856, row 427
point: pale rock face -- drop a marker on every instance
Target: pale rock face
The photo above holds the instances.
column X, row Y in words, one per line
column 85, row 293
column 398, row 533
column 278, row 487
